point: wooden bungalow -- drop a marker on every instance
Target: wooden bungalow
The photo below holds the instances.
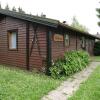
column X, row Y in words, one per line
column 33, row 42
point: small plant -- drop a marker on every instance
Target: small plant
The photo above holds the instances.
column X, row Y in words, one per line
column 57, row 69
column 72, row 62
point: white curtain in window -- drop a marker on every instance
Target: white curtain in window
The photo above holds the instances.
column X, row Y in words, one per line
column 13, row 40
column 66, row 40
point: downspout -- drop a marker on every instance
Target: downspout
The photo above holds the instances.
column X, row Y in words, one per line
column 49, row 62
column 27, row 45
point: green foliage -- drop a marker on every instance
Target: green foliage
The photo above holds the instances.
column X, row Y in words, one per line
column 14, row 9
column 57, row 69
column 78, row 26
column 72, row 62
column 0, row 6
column 16, row 84
column 7, row 7
column 97, row 48
column 95, row 58
column 20, row 10
column 98, row 15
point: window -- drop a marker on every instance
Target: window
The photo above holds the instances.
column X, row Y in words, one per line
column 66, row 40
column 12, row 40
column 83, row 42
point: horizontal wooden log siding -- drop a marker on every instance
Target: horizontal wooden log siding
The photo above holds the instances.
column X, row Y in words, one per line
column 89, row 44
column 37, row 60
column 58, row 48
column 9, row 57
column 18, row 58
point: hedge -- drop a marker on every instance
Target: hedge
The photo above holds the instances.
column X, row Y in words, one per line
column 72, row 62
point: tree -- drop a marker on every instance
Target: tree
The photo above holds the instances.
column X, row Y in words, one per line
column 98, row 15
column 20, row 10
column 7, row 7
column 43, row 15
column 77, row 25
column 0, row 6
column 14, row 9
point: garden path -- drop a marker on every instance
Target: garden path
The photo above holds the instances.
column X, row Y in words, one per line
column 68, row 87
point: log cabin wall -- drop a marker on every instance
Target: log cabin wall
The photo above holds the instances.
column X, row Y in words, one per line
column 17, row 57
column 58, row 47
column 37, row 59
column 12, row 57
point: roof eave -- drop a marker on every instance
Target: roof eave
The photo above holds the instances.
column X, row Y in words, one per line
column 74, row 29
column 34, row 19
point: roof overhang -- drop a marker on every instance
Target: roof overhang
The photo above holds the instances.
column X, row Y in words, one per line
column 44, row 21
column 78, row 31
column 30, row 18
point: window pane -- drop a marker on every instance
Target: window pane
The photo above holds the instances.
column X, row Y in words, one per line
column 13, row 40
column 83, row 43
column 66, row 40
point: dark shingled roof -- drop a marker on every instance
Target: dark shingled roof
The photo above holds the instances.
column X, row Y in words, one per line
column 31, row 18
column 41, row 20
column 79, row 31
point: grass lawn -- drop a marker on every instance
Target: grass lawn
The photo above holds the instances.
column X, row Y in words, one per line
column 95, row 58
column 89, row 90
column 16, row 84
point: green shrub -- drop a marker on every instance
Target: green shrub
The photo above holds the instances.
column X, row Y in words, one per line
column 57, row 69
column 72, row 62
column 97, row 48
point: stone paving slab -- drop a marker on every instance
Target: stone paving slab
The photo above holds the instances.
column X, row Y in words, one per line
column 68, row 87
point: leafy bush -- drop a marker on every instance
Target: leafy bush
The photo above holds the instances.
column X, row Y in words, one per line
column 97, row 48
column 72, row 62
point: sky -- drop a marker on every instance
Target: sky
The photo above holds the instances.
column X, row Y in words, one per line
column 63, row 10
